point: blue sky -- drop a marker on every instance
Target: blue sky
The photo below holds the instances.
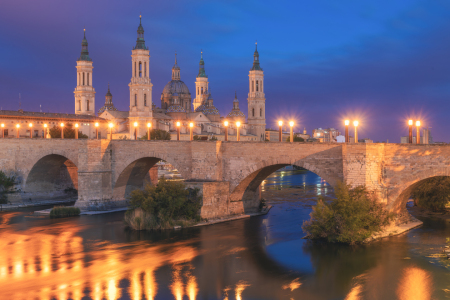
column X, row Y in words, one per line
column 380, row 62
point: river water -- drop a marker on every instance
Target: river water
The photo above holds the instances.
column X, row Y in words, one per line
column 95, row 257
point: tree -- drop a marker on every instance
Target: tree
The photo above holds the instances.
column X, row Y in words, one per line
column 6, row 183
column 69, row 132
column 432, row 193
column 296, row 139
column 352, row 217
column 157, row 134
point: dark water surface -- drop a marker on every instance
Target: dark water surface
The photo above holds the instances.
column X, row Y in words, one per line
column 95, row 257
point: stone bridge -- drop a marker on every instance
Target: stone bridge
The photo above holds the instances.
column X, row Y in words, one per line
column 228, row 174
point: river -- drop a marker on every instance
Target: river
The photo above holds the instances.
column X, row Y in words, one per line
column 96, row 257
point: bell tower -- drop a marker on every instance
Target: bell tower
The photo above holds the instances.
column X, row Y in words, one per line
column 140, row 86
column 201, row 83
column 84, row 92
column 256, row 99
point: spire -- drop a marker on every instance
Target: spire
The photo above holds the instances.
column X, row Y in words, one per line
column 201, row 71
column 140, row 42
column 256, row 59
column 109, row 92
column 84, row 49
column 175, row 69
column 235, row 102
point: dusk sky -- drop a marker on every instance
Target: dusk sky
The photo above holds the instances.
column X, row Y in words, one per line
column 380, row 62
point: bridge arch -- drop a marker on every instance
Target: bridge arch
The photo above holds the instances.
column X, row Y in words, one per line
column 52, row 175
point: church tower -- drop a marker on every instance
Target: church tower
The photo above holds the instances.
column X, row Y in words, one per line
column 256, row 99
column 140, row 86
column 84, row 92
column 201, row 84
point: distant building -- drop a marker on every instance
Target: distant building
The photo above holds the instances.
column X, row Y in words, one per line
column 366, row 140
column 340, row 139
column 327, row 135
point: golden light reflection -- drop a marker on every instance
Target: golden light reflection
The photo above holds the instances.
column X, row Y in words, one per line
column 151, row 288
column 295, row 284
column 191, row 287
column 135, row 286
column 240, row 287
column 354, row 293
column 415, row 284
column 177, row 284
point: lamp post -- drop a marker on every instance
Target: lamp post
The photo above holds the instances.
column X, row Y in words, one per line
column 418, row 132
column 226, row 130
column 3, row 130
column 149, row 126
column 96, row 130
column 191, row 131
column 410, row 124
column 62, row 130
column 238, row 132
column 31, row 131
column 76, row 131
column 47, row 134
column 356, row 123
column 280, row 124
column 135, row 130
column 111, row 125
column 18, row 126
column 291, row 124
column 178, row 130
column 347, row 122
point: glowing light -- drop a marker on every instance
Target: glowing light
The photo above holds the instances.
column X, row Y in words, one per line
column 347, row 122
column 414, row 284
column 191, row 124
column 225, row 123
column 240, row 287
column 135, row 124
column 111, row 125
column 410, row 122
column 178, row 124
column 295, row 284
column 76, row 125
column 30, row 125
column 280, row 123
column 238, row 124
column 355, row 123
column 291, row 123
column 3, row 125
column 96, row 124
column 418, row 123
column 62, row 124
column 18, row 125
column 149, row 124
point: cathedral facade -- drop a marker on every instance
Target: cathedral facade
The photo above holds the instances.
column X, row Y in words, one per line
column 177, row 102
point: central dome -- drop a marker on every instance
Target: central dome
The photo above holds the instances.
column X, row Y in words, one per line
column 175, row 86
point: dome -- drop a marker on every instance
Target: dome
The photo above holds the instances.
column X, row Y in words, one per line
column 175, row 86
column 211, row 110
column 201, row 108
column 107, row 107
column 175, row 108
column 236, row 113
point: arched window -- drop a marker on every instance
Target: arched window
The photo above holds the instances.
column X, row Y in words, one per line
column 79, row 105
column 257, row 85
column 79, row 78
column 135, row 99
column 260, row 112
column 145, row 99
column 253, row 86
column 202, row 90
column 88, row 79
column 134, row 69
column 83, row 78
column 140, row 69
column 145, row 69
column 87, row 105
column 198, row 91
column 253, row 112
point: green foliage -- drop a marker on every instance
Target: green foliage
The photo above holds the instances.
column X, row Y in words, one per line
column 214, row 138
column 69, row 132
column 196, row 138
column 164, row 204
column 432, row 193
column 351, row 218
column 296, row 139
column 64, row 211
column 157, row 134
column 6, row 183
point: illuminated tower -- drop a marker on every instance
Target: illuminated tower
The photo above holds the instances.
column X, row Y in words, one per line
column 256, row 99
column 201, row 84
column 84, row 92
column 140, row 86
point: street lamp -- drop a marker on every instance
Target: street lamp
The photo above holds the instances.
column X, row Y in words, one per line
column 62, row 130
column 191, row 131
column 76, row 130
column 238, row 137
column 96, row 130
column 356, row 123
column 226, row 130
column 111, row 125
column 418, row 132
column 410, row 123
column 3, row 130
column 178, row 130
column 346, row 122
column 291, row 124
column 280, row 124
column 31, row 131
column 149, row 125
column 47, row 134
column 135, row 130
column 18, row 126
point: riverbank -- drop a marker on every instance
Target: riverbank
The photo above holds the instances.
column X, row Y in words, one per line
column 21, row 205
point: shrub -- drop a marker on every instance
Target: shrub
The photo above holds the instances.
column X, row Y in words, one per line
column 6, row 183
column 432, row 193
column 296, row 139
column 163, row 206
column 69, row 132
column 64, row 211
column 352, row 217
column 157, row 134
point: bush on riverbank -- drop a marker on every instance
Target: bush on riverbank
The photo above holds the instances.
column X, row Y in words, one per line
column 351, row 218
column 64, row 211
column 6, row 183
column 432, row 193
column 163, row 206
